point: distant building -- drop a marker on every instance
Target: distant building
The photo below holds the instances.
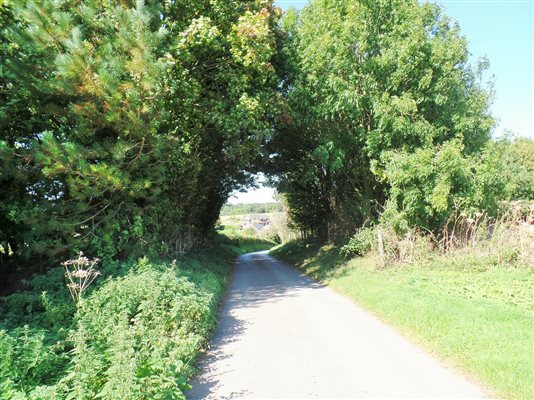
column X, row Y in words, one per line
column 257, row 222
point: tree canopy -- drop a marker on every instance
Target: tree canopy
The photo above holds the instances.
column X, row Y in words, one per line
column 383, row 111
column 129, row 122
column 125, row 125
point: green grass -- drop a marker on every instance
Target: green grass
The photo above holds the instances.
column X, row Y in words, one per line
column 241, row 244
column 476, row 317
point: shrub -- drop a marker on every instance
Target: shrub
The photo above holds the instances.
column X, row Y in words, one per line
column 361, row 243
column 429, row 185
column 28, row 360
column 133, row 335
column 140, row 333
column 390, row 246
column 516, row 166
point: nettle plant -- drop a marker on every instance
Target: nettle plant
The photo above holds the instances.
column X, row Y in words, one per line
column 80, row 272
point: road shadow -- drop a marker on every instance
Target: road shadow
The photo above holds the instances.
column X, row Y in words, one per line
column 229, row 330
column 261, row 278
column 258, row 279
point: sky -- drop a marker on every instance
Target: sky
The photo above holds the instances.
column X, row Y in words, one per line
column 263, row 194
column 502, row 31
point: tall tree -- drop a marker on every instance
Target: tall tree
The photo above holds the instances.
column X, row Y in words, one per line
column 370, row 79
column 130, row 121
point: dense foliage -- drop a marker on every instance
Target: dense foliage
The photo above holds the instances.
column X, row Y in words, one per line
column 515, row 159
column 134, row 335
column 383, row 112
column 124, row 127
column 126, row 124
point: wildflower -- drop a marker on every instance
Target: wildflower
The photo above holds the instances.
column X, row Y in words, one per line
column 80, row 273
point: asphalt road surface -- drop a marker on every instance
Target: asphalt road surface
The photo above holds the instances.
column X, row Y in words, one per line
column 284, row 336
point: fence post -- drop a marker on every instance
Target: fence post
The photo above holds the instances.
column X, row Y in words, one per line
column 381, row 247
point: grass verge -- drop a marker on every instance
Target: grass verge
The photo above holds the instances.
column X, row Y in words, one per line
column 476, row 317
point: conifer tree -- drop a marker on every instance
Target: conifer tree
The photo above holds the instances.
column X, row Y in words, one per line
column 142, row 118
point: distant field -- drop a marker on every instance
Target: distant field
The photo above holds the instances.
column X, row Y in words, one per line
column 231, row 223
column 253, row 208
column 235, row 219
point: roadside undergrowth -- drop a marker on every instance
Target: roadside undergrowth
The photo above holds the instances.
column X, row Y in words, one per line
column 135, row 333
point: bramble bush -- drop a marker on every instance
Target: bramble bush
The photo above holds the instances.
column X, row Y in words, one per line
column 141, row 332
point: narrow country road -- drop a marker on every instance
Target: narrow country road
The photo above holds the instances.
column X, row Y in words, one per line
column 284, row 336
